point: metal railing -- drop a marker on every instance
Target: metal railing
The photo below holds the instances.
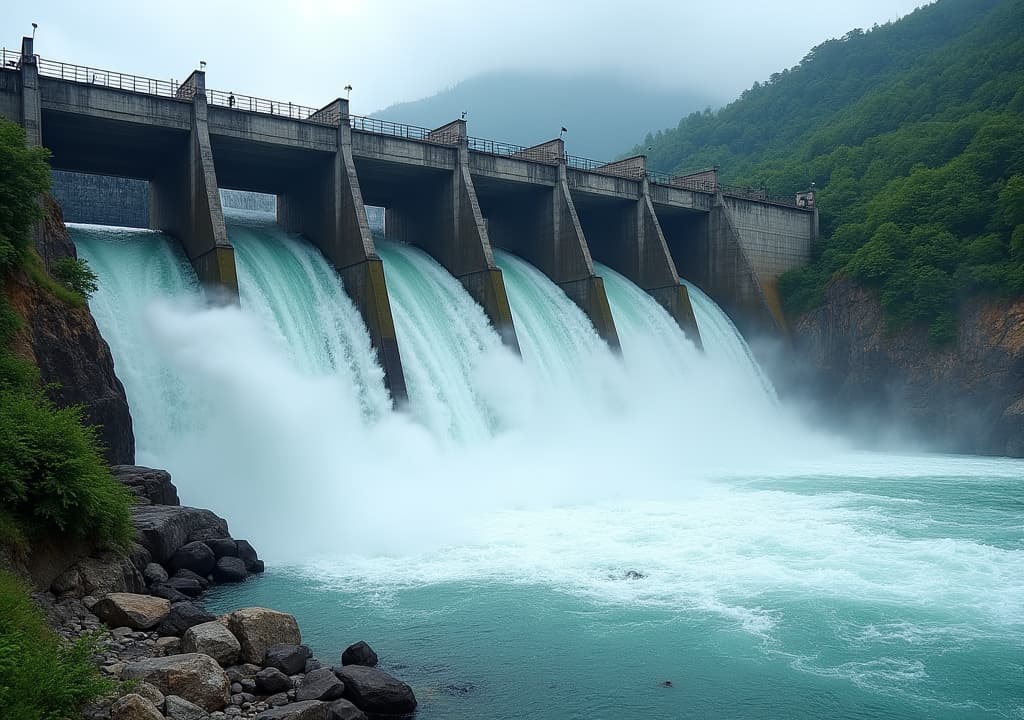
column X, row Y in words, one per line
column 248, row 103
column 106, row 78
column 759, row 194
column 495, row 147
column 408, row 132
column 582, row 163
column 10, row 59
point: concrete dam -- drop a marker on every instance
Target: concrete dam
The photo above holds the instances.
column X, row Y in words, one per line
column 458, row 198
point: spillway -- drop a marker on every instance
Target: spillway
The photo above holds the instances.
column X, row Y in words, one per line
column 136, row 268
column 299, row 297
column 443, row 335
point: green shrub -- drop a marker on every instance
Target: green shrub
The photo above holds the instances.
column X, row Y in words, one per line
column 25, row 176
column 76, row 275
column 52, row 474
column 41, row 676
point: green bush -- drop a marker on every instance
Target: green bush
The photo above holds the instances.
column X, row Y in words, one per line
column 25, row 176
column 76, row 275
column 53, row 475
column 41, row 676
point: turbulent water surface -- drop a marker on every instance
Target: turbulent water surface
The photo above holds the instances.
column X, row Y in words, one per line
column 573, row 534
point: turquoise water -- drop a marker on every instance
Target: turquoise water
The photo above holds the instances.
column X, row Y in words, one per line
column 809, row 595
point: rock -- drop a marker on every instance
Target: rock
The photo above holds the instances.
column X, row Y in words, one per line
column 134, row 707
column 139, row 612
column 634, row 575
column 223, row 547
column 178, row 708
column 257, row 567
column 277, row 700
column 163, row 529
column 154, row 573
column 195, row 556
column 168, row 646
column 247, row 553
column 320, row 684
column 149, row 692
column 259, row 628
column 271, row 680
column 287, row 657
column 238, row 673
column 185, row 585
column 75, row 364
column 139, row 556
column 168, row 593
column 375, row 691
column 229, row 570
column 359, row 654
column 213, row 639
column 344, row 710
column 149, row 484
column 311, row 665
column 193, row 676
column 186, row 574
column 183, row 616
column 109, row 572
column 307, row 710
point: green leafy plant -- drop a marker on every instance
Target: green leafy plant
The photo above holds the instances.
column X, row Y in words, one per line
column 76, row 275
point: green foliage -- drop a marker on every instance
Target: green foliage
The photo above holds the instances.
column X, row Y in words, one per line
column 25, row 176
column 914, row 135
column 76, row 275
column 41, row 677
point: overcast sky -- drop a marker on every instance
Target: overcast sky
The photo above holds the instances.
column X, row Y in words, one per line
column 306, row 51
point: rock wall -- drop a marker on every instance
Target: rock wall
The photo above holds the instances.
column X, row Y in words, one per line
column 968, row 397
column 67, row 347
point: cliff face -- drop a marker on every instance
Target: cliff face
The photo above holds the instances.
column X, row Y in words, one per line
column 66, row 345
column 968, row 397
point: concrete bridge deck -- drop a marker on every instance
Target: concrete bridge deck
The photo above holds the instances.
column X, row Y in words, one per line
column 449, row 193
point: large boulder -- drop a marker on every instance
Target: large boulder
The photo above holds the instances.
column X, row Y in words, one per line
column 154, row 573
column 248, row 555
column 344, row 710
column 223, row 547
column 230, row 570
column 149, row 692
column 307, row 710
column 193, row 676
column 213, row 639
column 259, row 628
column 134, row 707
column 107, row 573
column 270, row 681
column 181, row 617
column 289, row 658
column 195, row 556
column 320, row 684
column 359, row 654
column 178, row 708
column 375, row 691
column 168, row 593
column 162, row 529
column 148, row 484
column 139, row 612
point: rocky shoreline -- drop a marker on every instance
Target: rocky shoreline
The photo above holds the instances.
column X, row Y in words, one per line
column 176, row 660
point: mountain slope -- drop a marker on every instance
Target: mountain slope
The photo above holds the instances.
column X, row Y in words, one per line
column 603, row 114
column 914, row 134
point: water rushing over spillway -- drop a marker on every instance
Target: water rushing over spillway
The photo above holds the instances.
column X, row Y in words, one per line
column 482, row 540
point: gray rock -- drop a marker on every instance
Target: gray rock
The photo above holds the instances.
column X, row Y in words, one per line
column 271, row 680
column 213, row 639
column 193, row 676
column 375, row 691
column 154, row 573
column 307, row 710
column 154, row 486
column 178, row 708
column 236, row 687
column 149, row 692
column 162, row 529
column 311, row 665
column 223, row 547
column 344, row 710
column 107, row 573
column 185, row 585
column 230, row 570
column 168, row 646
column 287, row 657
column 247, row 553
column 259, row 628
column 168, row 593
column 277, row 699
column 134, row 707
column 359, row 654
column 195, row 556
column 139, row 612
column 320, row 684
column 139, row 556
column 183, row 616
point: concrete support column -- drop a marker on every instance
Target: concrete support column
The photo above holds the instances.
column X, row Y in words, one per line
column 185, row 201
column 31, row 108
column 730, row 278
column 327, row 208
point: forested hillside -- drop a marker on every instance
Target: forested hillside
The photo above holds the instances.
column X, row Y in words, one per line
column 913, row 133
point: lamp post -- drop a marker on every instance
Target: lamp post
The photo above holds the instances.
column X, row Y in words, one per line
column 348, row 91
column 34, row 26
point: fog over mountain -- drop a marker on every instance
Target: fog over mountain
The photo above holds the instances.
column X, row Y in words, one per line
column 604, row 114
